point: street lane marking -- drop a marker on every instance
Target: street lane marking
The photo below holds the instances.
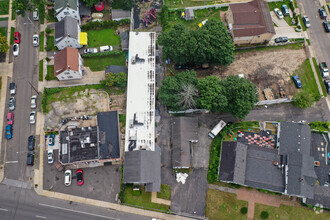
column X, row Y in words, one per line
column 86, row 213
column 14, row 161
column 6, row 210
column 39, row 216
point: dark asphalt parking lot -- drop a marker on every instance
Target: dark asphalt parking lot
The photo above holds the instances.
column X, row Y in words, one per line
column 101, row 183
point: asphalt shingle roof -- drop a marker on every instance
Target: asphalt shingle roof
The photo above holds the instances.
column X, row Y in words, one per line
column 60, row 4
column 66, row 27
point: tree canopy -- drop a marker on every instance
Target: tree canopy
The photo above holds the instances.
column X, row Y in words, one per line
column 90, row 3
column 21, row 6
column 3, row 44
column 209, row 44
column 303, row 99
column 115, row 79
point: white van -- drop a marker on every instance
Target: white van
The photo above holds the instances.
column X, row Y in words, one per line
column 35, row 15
column 106, row 48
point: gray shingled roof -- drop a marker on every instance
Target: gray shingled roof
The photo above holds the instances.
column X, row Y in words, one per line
column 227, row 165
column 66, row 27
column 240, row 163
column 124, row 42
column 184, row 130
column 321, row 196
column 61, row 4
column 83, row 9
column 142, row 166
column 118, row 14
column 116, row 69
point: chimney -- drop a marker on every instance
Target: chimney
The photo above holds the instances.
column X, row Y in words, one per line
column 68, row 66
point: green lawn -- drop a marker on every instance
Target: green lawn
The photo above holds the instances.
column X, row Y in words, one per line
column 4, row 19
column 165, row 192
column 288, row 212
column 100, row 63
column 122, row 120
column 42, row 39
column 12, row 35
column 142, row 199
column 50, row 73
column 307, row 78
column 319, row 76
column 273, row 5
column 200, row 15
column 51, row 16
column 97, row 38
column 296, row 46
column 3, row 31
column 222, row 205
column 4, row 7
column 189, row 3
column 13, row 14
column 41, row 70
column 50, row 43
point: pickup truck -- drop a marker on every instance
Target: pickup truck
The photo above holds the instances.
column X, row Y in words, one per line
column 324, row 69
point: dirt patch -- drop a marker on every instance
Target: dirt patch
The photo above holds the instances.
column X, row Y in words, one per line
column 266, row 69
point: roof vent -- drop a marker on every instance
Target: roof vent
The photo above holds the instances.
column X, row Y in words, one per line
column 68, row 4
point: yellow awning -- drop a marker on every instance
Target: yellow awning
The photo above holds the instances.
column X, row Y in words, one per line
column 83, row 38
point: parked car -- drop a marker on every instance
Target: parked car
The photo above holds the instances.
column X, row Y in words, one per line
column 297, row 81
column 323, row 14
column 51, row 140
column 31, row 143
column 281, row 40
column 285, row 10
column 181, row 67
column 67, row 177
column 17, row 37
column 10, row 118
column 35, row 15
column 306, row 22
column 50, row 156
column 32, row 117
column 97, row 15
column 33, row 101
column 12, row 88
column 80, row 177
column 278, row 13
column 90, row 50
column 9, row 132
column 106, row 48
column 30, row 158
column 16, row 50
column 12, row 103
column 327, row 85
column 324, row 69
column 326, row 26
column 36, row 40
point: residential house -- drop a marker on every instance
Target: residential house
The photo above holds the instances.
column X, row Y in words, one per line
column 119, row 14
column 68, row 64
column 67, row 33
column 184, row 134
column 250, row 22
column 65, row 8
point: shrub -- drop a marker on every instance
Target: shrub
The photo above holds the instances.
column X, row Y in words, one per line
column 320, row 125
column 124, row 21
column 115, row 79
column 99, row 25
column 48, row 30
column 264, row 214
column 244, row 210
column 215, row 149
column 102, row 54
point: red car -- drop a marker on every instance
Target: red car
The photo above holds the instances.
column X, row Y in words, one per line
column 17, row 38
column 10, row 118
column 80, row 177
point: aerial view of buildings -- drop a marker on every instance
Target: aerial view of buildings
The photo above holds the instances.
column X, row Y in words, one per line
column 165, row 109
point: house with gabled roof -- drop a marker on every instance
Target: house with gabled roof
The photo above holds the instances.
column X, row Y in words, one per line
column 65, row 8
column 250, row 22
column 68, row 64
column 67, row 33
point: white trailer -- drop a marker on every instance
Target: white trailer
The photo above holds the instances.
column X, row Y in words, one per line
column 215, row 131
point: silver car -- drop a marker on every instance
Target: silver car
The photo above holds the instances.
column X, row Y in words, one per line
column 12, row 102
column 306, row 21
column 32, row 117
column 36, row 40
column 90, row 50
column 34, row 101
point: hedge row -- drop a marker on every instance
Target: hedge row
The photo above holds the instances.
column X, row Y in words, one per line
column 108, row 53
column 97, row 25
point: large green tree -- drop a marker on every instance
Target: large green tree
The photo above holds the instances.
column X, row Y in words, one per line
column 170, row 92
column 90, row 3
column 3, row 44
column 21, row 6
column 209, row 44
column 241, row 95
column 303, row 99
column 128, row 4
column 211, row 94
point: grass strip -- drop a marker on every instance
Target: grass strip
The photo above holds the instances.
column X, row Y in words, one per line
column 12, row 35
column 319, row 76
column 42, row 41
column 41, row 70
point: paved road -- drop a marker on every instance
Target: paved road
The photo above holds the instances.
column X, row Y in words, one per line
column 21, row 204
column 24, row 74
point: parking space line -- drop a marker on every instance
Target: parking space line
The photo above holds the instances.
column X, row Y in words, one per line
column 39, row 216
column 15, row 161
column 86, row 213
column 6, row 210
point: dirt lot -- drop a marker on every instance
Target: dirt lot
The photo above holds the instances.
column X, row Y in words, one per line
column 84, row 103
column 271, row 68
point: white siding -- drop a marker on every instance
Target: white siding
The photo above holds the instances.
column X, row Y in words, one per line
column 69, row 75
column 68, row 12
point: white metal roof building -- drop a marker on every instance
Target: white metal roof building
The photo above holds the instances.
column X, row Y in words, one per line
column 140, row 110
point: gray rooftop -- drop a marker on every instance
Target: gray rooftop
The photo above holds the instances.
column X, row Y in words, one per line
column 184, row 130
column 227, row 165
column 143, row 167
column 116, row 69
column 321, row 196
column 83, row 9
column 240, row 163
column 118, row 14
column 109, row 134
column 60, row 4
column 66, row 27
column 124, row 40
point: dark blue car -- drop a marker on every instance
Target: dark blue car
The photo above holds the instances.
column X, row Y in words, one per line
column 9, row 131
column 297, row 81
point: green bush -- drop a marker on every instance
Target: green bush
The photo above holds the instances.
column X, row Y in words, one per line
column 115, row 79
column 244, row 210
column 320, row 125
column 124, row 21
column 215, row 150
column 99, row 25
column 264, row 214
column 48, row 30
column 103, row 54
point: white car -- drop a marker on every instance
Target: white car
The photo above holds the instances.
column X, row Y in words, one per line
column 35, row 15
column 306, row 21
column 34, row 101
column 50, row 155
column 67, row 177
column 106, row 48
column 278, row 13
column 90, row 50
column 16, row 50
column 36, row 40
column 32, row 117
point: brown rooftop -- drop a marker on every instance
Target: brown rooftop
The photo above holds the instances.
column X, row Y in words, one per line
column 68, row 58
column 251, row 18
